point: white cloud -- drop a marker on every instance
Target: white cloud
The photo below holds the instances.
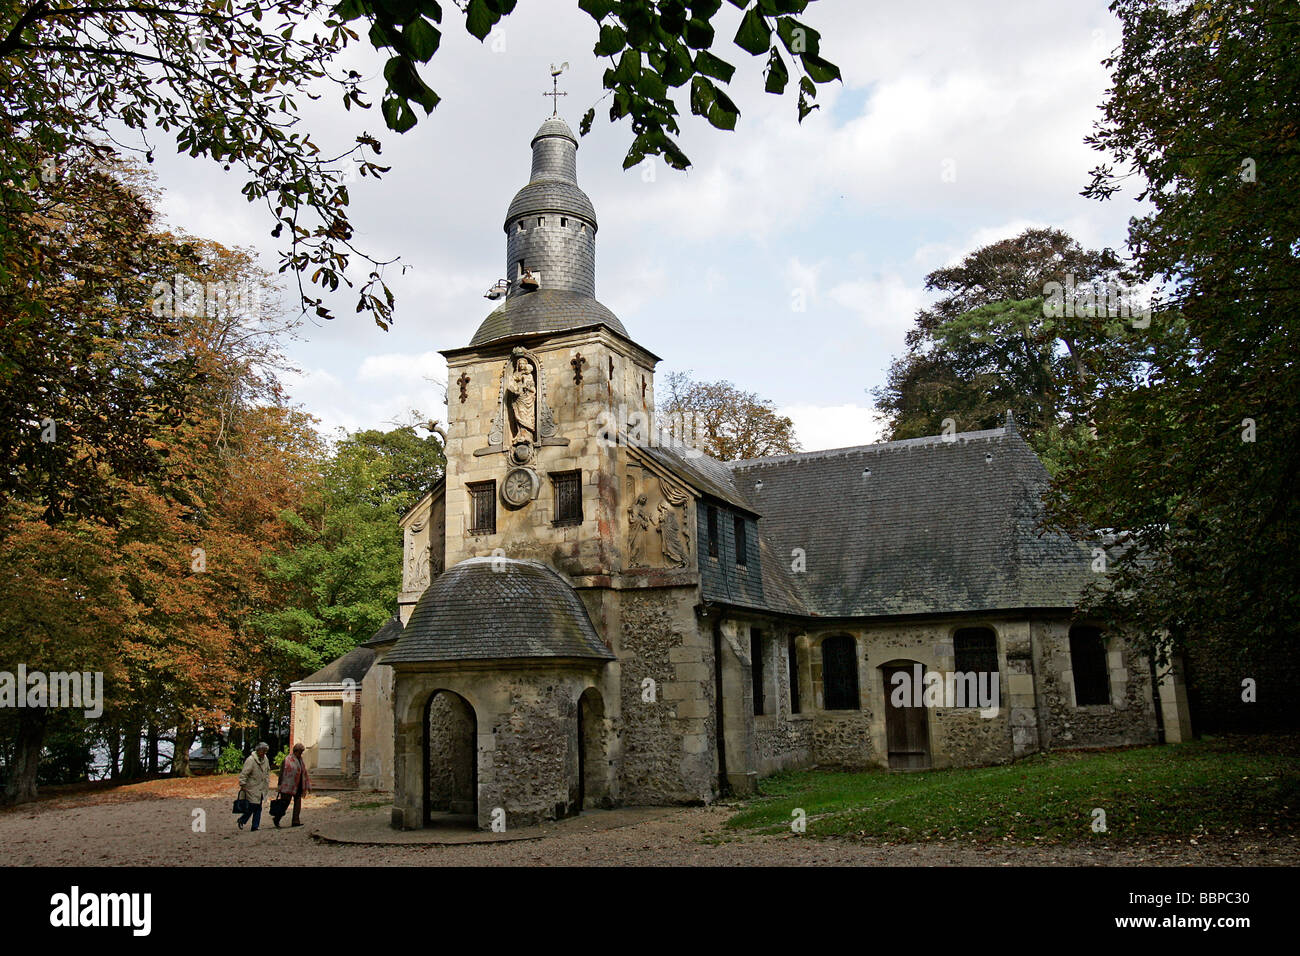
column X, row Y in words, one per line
column 393, row 368
column 886, row 303
column 820, row 427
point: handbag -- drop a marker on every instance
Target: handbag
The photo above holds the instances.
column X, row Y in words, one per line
column 279, row 805
column 241, row 803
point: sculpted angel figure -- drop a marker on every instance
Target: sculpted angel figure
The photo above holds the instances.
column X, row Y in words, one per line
column 521, row 394
column 674, row 539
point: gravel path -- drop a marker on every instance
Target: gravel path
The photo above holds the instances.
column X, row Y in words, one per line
column 152, row 824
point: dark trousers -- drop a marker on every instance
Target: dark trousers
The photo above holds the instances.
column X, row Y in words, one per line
column 297, row 807
column 255, row 813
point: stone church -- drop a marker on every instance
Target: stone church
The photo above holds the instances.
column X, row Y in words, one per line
column 594, row 613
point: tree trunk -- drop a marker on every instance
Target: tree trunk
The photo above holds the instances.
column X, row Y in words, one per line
column 152, row 740
column 114, row 743
column 131, row 753
column 21, row 785
column 185, row 735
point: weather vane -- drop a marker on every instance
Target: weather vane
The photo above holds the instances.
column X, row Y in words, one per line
column 555, row 93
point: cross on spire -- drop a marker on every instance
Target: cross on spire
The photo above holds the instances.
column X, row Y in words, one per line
column 556, row 93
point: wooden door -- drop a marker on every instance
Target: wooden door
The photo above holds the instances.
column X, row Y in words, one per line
column 329, row 753
column 907, row 729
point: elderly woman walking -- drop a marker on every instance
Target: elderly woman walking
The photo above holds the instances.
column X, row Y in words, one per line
column 254, row 782
column 294, row 782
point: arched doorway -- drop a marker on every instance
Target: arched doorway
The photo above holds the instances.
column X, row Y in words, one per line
column 907, row 725
column 593, row 779
column 450, row 758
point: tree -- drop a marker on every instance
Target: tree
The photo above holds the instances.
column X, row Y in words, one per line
column 63, row 605
column 1196, row 464
column 344, row 571
column 729, row 424
column 89, row 374
column 225, row 77
column 132, row 538
column 1035, row 324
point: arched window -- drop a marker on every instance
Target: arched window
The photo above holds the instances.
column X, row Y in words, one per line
column 975, row 652
column 840, row 673
column 1088, row 662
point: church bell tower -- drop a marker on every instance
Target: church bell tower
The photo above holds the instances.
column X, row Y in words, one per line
column 535, row 398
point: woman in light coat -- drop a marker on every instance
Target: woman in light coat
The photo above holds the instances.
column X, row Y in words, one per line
column 255, row 781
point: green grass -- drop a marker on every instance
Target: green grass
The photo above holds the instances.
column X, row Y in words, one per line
column 1207, row 787
column 371, row 805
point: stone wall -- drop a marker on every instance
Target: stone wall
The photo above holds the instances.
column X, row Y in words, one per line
column 667, row 743
column 526, row 740
column 958, row 736
column 1128, row 719
column 583, row 399
column 377, row 727
column 782, row 739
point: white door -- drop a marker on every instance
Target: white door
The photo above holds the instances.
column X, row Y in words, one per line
column 329, row 753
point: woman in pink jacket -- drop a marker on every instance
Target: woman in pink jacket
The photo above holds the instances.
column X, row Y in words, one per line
column 294, row 782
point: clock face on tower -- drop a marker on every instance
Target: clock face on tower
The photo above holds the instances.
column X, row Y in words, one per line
column 520, row 487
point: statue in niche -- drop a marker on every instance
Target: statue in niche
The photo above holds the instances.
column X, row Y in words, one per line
column 639, row 523
column 675, row 545
column 523, row 421
column 521, row 395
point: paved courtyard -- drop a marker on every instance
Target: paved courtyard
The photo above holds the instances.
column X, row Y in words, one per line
column 153, row 824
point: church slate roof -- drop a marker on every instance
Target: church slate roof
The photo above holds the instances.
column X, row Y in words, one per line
column 922, row 526
column 354, row 665
column 554, row 126
column 392, row 628
column 552, row 195
column 497, row 609
column 703, row 472
column 544, row 310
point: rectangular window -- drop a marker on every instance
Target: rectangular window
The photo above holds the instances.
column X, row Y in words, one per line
column 756, row 668
column 568, row 497
column 741, row 549
column 792, row 672
column 1088, row 662
column 713, row 531
column 975, row 656
column 483, row 507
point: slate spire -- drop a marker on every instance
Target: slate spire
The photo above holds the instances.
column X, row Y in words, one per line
column 551, row 224
column 550, row 232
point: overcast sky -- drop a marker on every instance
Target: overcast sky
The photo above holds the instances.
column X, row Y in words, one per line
column 845, row 213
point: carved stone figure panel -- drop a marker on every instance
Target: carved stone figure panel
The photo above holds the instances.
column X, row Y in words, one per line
column 658, row 522
column 416, row 571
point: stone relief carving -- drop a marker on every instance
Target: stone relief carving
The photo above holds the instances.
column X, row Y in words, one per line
column 417, row 572
column 676, row 544
column 639, row 523
column 662, row 508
